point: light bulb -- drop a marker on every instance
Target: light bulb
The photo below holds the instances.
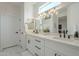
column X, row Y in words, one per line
column 56, row 13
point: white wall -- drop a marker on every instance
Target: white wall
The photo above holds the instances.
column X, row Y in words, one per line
column 28, row 11
column 73, row 17
column 10, row 13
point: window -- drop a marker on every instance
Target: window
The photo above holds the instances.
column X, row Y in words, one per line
column 48, row 6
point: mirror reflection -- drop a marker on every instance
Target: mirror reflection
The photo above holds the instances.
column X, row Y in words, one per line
column 57, row 19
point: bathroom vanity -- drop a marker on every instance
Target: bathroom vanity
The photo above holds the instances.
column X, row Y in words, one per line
column 49, row 45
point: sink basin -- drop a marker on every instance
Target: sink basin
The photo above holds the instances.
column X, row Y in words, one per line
column 51, row 35
column 56, row 36
column 64, row 39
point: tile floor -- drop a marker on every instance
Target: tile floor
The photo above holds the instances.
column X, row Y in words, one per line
column 15, row 51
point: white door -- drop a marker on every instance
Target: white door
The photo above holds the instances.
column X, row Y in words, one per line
column 8, row 30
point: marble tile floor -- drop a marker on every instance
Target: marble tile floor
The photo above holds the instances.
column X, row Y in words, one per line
column 15, row 51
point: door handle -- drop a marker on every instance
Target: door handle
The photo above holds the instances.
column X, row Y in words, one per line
column 37, row 47
column 16, row 32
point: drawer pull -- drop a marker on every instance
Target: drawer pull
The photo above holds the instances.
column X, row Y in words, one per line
column 37, row 47
column 55, row 54
column 37, row 40
column 28, row 41
column 36, row 54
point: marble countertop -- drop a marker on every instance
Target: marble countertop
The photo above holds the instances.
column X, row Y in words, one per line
column 55, row 37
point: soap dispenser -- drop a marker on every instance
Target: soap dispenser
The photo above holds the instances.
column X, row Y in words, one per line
column 64, row 33
column 76, row 34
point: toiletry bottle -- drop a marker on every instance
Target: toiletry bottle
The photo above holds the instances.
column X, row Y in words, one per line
column 68, row 36
column 60, row 33
column 76, row 34
column 64, row 32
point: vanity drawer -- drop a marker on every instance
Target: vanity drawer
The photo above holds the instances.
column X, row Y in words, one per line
column 39, row 53
column 39, row 50
column 39, row 41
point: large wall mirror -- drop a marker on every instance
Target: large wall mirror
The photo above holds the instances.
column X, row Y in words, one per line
column 52, row 20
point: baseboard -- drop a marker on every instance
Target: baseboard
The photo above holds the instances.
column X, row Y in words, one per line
column 9, row 47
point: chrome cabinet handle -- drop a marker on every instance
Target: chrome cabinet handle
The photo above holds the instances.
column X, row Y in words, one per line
column 28, row 41
column 37, row 47
column 36, row 54
column 37, row 40
column 55, row 54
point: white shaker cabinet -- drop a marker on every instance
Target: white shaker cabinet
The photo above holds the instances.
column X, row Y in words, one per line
column 35, row 45
column 41, row 46
column 30, row 43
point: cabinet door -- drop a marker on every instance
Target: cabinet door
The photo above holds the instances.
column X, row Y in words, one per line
column 39, row 41
column 48, row 52
column 30, row 44
column 52, row 52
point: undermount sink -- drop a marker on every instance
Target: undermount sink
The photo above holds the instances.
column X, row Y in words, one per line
column 50, row 34
column 56, row 36
column 64, row 39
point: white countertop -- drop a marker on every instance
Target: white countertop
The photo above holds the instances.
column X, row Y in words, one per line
column 54, row 37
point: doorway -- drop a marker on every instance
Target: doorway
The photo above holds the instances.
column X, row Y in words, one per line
column 63, row 22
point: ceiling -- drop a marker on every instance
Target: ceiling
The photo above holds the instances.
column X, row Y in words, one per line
column 12, row 3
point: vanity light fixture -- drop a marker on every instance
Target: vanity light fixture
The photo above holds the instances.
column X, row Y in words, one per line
column 50, row 11
column 53, row 11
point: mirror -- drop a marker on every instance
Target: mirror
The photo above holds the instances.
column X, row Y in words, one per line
column 51, row 21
